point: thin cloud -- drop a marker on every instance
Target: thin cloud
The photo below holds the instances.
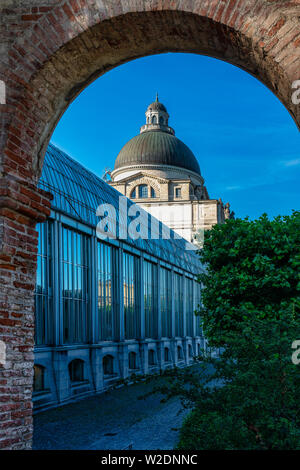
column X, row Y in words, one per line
column 295, row 162
column 233, row 188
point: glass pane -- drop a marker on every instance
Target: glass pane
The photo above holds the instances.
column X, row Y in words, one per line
column 150, row 299
column 166, row 302
column 75, row 282
column 106, row 304
column 43, row 294
column 178, row 295
column 143, row 191
column 131, row 310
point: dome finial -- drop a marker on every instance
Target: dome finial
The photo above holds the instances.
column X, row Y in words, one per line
column 156, row 97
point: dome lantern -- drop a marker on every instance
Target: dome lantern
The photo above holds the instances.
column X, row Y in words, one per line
column 157, row 118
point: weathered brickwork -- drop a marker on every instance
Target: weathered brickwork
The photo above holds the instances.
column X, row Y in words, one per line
column 21, row 206
column 49, row 51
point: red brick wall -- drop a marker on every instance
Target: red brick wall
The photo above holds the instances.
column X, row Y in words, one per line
column 21, row 205
column 50, row 50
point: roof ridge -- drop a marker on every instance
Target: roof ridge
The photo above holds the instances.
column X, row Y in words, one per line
column 72, row 160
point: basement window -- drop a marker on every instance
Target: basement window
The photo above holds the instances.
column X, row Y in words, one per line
column 166, row 355
column 151, row 358
column 39, row 379
column 108, row 365
column 76, row 371
column 132, row 363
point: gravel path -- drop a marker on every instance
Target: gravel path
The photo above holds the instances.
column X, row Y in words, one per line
column 113, row 420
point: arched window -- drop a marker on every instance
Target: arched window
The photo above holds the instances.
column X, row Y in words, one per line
column 161, row 120
column 132, row 360
column 177, row 192
column 108, row 365
column 152, row 192
column 166, row 355
column 133, row 194
column 39, row 378
column 76, row 371
column 143, row 191
column 151, row 357
column 179, row 352
column 154, row 120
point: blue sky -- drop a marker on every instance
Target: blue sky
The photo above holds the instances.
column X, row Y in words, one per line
column 245, row 140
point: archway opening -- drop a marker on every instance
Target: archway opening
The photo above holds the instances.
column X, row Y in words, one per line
column 81, row 47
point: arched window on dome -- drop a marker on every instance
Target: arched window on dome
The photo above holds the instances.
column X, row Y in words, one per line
column 161, row 120
column 152, row 192
column 178, row 192
column 133, row 194
column 143, row 191
column 154, row 120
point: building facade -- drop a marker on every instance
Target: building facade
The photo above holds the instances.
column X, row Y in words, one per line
column 105, row 309
column 160, row 173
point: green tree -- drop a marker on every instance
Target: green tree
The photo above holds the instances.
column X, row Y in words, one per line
column 252, row 267
column 250, row 309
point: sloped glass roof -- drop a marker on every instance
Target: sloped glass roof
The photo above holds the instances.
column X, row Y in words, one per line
column 78, row 192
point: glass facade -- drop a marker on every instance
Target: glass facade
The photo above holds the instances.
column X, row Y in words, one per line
column 178, row 296
column 75, row 286
column 97, row 302
column 166, row 302
column 189, row 306
column 131, row 296
column 43, row 288
column 150, row 299
column 74, row 282
column 78, row 192
column 107, row 292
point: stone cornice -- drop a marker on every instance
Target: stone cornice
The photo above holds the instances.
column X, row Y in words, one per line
column 156, row 168
column 140, row 174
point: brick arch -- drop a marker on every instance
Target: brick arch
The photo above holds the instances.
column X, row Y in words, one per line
column 71, row 46
column 52, row 51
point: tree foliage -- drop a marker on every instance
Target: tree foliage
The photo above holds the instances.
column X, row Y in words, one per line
column 251, row 309
column 252, row 268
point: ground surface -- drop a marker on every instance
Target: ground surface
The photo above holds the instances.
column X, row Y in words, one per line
column 113, row 420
